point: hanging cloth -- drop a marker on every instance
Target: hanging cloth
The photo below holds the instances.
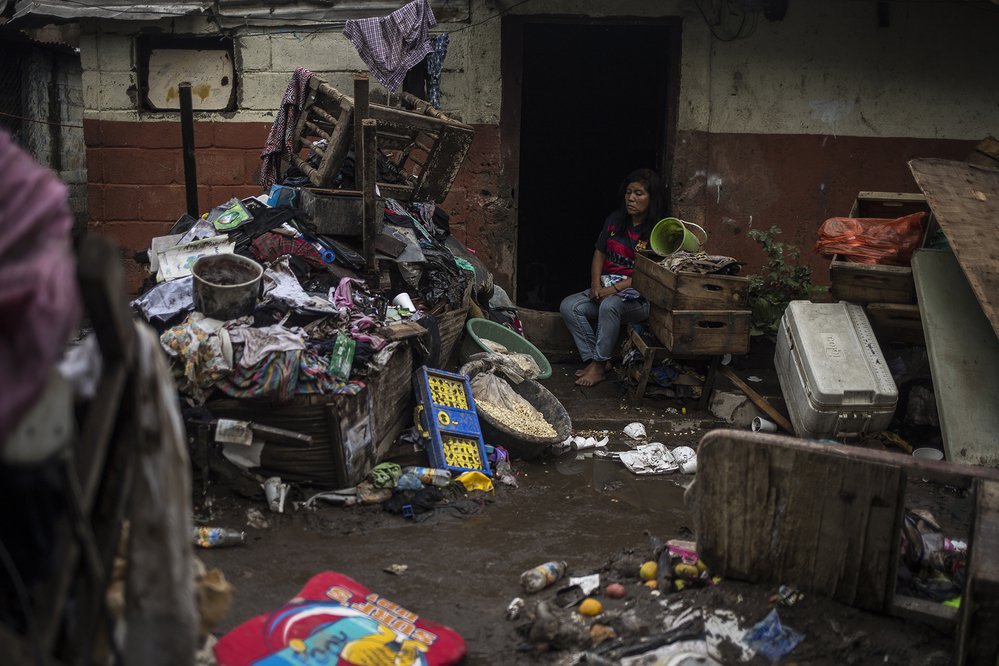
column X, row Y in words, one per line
column 435, row 65
column 281, row 140
column 391, row 45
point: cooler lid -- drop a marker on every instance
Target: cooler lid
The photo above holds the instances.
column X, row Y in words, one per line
column 841, row 359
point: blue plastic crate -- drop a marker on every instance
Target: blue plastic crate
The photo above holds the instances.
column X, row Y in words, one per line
column 448, row 421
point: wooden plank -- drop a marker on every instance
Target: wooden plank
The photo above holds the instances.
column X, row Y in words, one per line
column 977, row 639
column 369, row 147
column 775, row 509
column 443, row 163
column 940, row 617
column 758, row 400
column 964, row 359
column 965, row 201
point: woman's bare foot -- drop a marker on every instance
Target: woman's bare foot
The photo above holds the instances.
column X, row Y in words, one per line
column 579, row 373
column 593, row 374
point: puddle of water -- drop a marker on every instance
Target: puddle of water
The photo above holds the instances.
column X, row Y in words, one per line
column 657, row 493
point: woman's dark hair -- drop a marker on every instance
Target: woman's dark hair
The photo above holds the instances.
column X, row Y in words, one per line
column 657, row 193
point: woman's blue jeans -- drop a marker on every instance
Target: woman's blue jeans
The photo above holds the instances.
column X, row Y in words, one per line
column 596, row 343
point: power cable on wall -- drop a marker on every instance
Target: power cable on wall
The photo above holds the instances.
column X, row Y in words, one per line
column 36, row 120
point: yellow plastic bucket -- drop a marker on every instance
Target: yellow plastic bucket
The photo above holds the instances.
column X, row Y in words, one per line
column 672, row 235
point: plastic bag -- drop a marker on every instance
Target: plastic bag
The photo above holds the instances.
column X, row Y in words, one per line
column 870, row 240
column 496, row 362
column 487, row 387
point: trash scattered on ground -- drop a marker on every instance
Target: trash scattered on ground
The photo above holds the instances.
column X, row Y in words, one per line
column 771, row 639
column 569, row 596
column 786, row 595
column 590, row 607
column 652, row 458
column 686, row 458
column 275, row 491
column 397, row 569
column 514, row 608
column 589, row 584
column 542, row 576
column 255, row 519
column 635, row 430
column 217, row 537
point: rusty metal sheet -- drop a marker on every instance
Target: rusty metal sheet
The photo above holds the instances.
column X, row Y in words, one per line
column 233, row 13
column 965, row 200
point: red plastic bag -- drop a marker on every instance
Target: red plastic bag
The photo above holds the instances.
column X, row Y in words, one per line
column 336, row 621
column 871, row 240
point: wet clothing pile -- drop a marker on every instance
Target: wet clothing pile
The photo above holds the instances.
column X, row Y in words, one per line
column 317, row 325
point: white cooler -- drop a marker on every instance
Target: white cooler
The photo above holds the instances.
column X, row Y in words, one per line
column 834, row 377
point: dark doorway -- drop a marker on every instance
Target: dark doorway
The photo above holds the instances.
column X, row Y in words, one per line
column 594, row 102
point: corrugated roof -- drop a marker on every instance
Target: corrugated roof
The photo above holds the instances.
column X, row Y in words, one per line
column 230, row 12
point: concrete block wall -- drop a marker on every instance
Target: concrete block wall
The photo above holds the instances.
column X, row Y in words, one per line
column 782, row 127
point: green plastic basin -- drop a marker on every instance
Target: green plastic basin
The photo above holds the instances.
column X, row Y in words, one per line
column 479, row 329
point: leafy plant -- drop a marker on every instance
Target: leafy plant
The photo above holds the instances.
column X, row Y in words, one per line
column 783, row 279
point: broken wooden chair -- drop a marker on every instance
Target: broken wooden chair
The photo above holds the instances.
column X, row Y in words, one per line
column 828, row 519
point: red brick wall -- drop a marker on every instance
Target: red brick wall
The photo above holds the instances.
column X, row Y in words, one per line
column 136, row 177
column 731, row 183
column 136, row 189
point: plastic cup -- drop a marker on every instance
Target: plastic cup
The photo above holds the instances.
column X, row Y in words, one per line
column 762, row 425
column 928, row 453
column 404, row 301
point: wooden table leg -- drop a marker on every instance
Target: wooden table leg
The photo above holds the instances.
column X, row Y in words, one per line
column 643, row 378
column 709, row 383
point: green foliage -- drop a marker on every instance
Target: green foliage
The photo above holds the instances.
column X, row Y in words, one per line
column 783, row 279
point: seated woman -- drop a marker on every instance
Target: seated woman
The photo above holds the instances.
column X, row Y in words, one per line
column 594, row 317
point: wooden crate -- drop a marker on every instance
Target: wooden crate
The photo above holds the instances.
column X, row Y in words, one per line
column 686, row 290
column 875, row 283
column 392, row 398
column 331, row 212
column 341, row 426
column 451, row 325
column 896, row 322
column 701, row 332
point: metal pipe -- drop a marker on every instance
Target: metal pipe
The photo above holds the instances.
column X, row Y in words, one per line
column 187, row 137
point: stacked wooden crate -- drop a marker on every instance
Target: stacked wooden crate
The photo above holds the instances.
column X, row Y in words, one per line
column 694, row 314
column 887, row 293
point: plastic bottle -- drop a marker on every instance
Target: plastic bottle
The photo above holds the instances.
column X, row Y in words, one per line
column 217, row 537
column 542, row 576
column 431, row 476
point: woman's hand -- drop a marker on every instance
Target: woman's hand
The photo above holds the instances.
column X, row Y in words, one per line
column 600, row 293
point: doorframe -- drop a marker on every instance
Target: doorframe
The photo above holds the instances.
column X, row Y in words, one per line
column 511, row 91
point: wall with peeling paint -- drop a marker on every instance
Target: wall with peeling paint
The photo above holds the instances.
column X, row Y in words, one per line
column 783, row 126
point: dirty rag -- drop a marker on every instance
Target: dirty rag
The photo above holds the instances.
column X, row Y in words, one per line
column 391, row 45
column 281, row 139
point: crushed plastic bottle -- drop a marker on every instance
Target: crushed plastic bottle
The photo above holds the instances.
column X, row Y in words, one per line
column 217, row 537
column 430, row 476
column 542, row 576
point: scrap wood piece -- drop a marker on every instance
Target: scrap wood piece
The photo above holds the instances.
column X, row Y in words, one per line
column 758, row 400
column 775, row 509
column 964, row 199
column 403, row 331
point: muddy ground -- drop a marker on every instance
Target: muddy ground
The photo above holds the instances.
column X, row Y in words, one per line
column 463, row 561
